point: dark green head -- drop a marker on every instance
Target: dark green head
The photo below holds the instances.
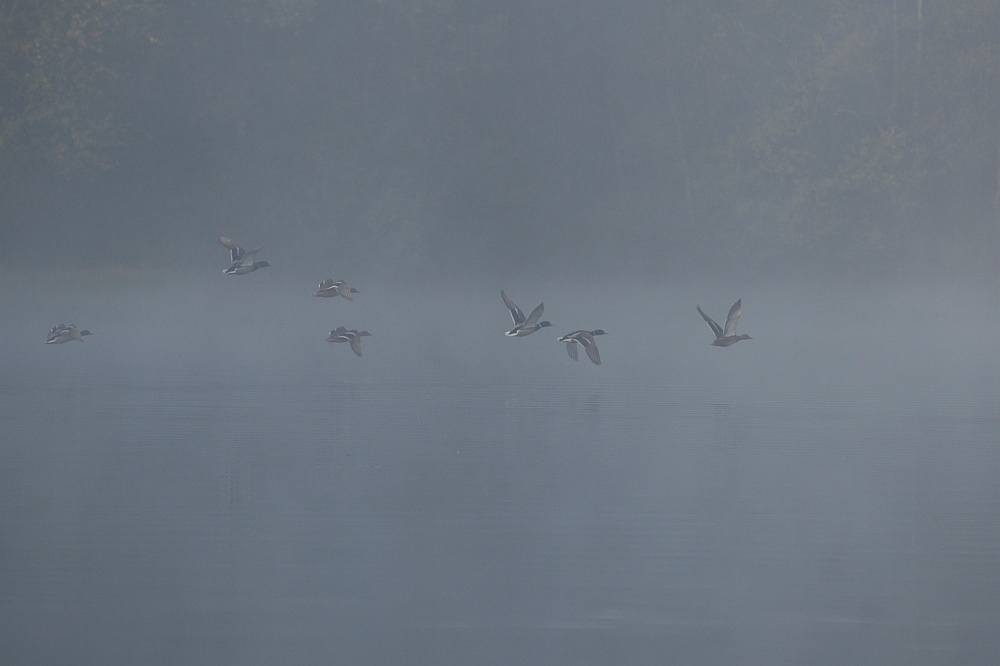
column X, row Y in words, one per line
column 543, row 324
column 261, row 264
column 598, row 332
column 85, row 332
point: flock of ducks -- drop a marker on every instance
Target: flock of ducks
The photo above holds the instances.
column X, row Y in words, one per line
column 242, row 262
column 527, row 325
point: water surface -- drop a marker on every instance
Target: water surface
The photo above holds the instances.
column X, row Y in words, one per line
column 231, row 489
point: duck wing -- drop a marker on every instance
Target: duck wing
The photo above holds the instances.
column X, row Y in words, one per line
column 356, row 344
column 733, row 318
column 571, row 349
column 235, row 251
column 246, row 258
column 587, row 340
column 515, row 312
column 534, row 316
column 711, row 322
column 344, row 290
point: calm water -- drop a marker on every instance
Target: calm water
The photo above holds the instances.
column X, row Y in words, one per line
column 188, row 497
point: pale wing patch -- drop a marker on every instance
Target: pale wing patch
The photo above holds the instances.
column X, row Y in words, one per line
column 733, row 318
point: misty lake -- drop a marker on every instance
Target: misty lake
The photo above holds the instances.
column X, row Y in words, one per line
column 205, row 480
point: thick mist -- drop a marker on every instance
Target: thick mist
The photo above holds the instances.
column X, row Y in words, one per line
column 896, row 336
column 206, row 480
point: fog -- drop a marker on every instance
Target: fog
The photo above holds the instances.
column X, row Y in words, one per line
column 414, row 139
column 269, row 322
column 205, row 479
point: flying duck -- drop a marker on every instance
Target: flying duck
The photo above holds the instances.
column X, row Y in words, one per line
column 523, row 326
column 242, row 260
column 341, row 334
column 585, row 338
column 328, row 288
column 724, row 338
column 63, row 333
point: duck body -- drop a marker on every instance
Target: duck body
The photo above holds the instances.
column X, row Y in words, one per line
column 244, row 268
column 728, row 340
column 63, row 333
column 242, row 260
column 352, row 336
column 329, row 288
column 523, row 325
column 585, row 338
column 727, row 336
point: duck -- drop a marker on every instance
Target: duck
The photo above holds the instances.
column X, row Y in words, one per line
column 242, row 260
column 63, row 333
column 328, row 288
column 585, row 338
column 342, row 334
column 523, row 326
column 727, row 336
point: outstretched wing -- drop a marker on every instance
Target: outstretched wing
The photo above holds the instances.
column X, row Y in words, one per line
column 733, row 318
column 235, row 251
column 571, row 349
column 711, row 322
column 587, row 340
column 515, row 312
column 356, row 344
column 344, row 290
column 534, row 316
